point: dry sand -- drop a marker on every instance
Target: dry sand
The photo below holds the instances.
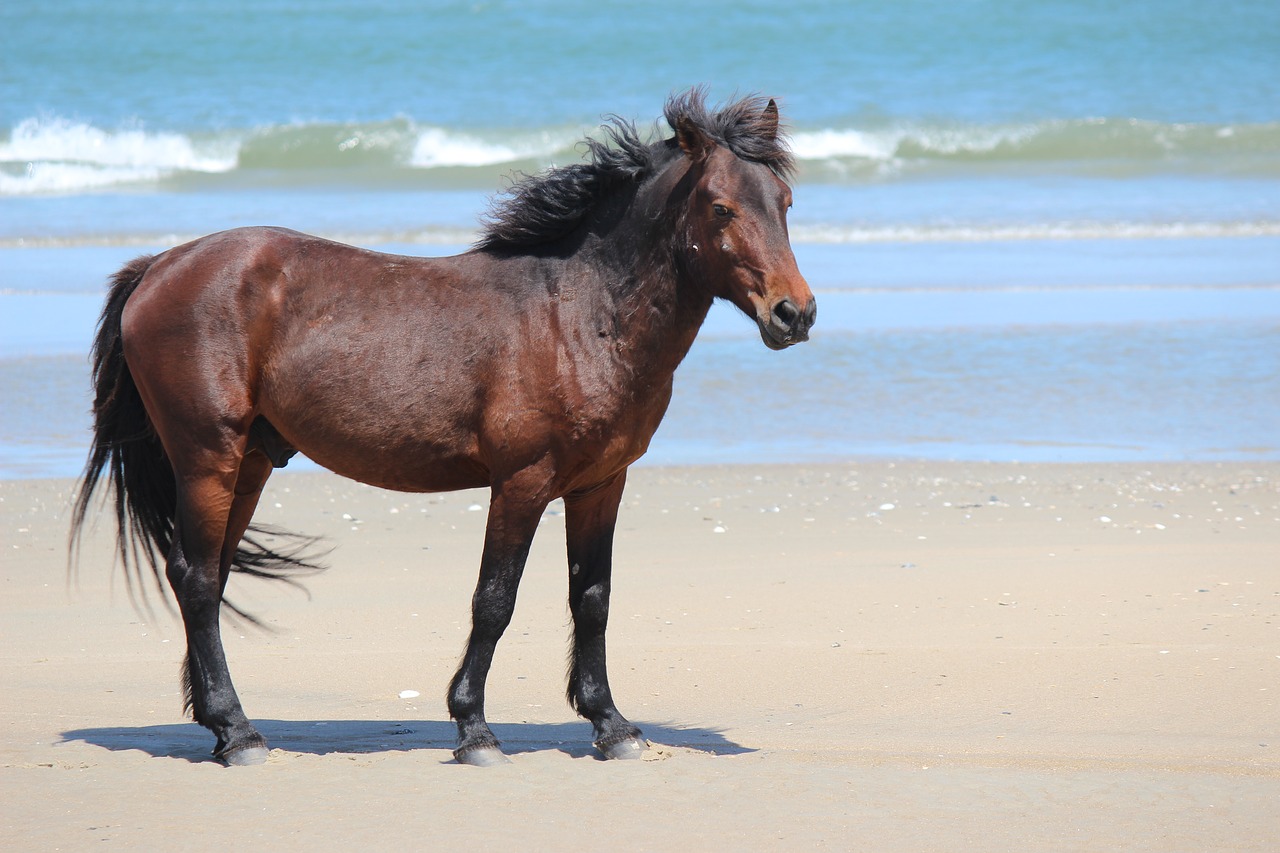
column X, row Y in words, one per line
column 850, row 657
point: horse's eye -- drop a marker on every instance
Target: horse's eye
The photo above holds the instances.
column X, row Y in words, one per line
column 722, row 211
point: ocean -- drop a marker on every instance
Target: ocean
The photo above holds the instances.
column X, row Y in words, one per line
column 1038, row 232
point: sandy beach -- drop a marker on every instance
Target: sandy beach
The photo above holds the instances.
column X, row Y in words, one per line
column 879, row 656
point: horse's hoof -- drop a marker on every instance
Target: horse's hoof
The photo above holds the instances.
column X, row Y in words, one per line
column 484, row 756
column 623, row 750
column 246, row 757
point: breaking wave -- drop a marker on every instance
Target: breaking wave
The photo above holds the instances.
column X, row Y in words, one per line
column 58, row 156
column 52, row 155
column 1116, row 147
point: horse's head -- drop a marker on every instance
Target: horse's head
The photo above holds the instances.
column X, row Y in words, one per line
column 737, row 241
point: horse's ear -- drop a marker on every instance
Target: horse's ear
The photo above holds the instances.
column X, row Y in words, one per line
column 693, row 140
column 769, row 120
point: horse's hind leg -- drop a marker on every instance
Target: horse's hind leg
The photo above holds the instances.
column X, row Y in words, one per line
column 590, row 520
column 211, row 518
column 255, row 468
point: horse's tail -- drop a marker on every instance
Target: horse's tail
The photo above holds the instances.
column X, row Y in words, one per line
column 126, row 447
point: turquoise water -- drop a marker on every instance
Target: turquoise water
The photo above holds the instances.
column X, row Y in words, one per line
column 1074, row 205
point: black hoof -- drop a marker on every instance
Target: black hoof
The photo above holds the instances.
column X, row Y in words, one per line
column 623, row 750
column 246, row 757
column 484, row 756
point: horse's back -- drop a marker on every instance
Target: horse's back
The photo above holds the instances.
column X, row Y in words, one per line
column 216, row 275
column 214, row 305
column 270, row 288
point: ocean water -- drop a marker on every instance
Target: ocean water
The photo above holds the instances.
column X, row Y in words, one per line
column 1043, row 231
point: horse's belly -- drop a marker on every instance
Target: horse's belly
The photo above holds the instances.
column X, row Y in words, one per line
column 418, row 441
column 407, row 473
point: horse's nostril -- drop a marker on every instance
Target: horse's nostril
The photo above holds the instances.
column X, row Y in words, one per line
column 785, row 313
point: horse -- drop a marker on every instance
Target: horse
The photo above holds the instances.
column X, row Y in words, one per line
column 538, row 363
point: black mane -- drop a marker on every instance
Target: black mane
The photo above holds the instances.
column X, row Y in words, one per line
column 538, row 209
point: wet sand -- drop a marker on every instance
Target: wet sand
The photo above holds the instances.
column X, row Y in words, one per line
column 878, row 656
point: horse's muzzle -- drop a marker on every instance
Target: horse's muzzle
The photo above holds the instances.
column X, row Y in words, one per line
column 788, row 324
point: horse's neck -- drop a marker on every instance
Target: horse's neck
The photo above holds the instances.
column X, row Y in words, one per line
column 656, row 315
column 658, row 308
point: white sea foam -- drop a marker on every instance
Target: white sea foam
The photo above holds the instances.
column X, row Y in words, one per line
column 44, row 155
column 46, row 177
column 57, row 155
column 827, row 144
column 62, row 140
column 891, row 143
column 436, row 147
column 439, row 148
column 1095, row 139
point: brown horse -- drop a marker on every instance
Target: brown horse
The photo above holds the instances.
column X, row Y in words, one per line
column 538, row 364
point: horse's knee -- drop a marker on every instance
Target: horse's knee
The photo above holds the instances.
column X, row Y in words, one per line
column 591, row 610
column 181, row 574
column 185, row 578
column 196, row 588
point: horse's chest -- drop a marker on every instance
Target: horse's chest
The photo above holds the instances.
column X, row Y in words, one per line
column 616, row 420
column 595, row 404
column 592, row 391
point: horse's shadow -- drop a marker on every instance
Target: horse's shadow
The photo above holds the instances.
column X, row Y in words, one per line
column 190, row 742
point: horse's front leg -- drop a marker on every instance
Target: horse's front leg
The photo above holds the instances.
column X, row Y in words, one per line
column 513, row 518
column 590, row 519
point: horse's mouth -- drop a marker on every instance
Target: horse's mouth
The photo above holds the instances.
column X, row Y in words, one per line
column 778, row 339
column 786, row 323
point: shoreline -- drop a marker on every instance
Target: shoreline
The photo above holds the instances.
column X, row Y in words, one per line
column 906, row 655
